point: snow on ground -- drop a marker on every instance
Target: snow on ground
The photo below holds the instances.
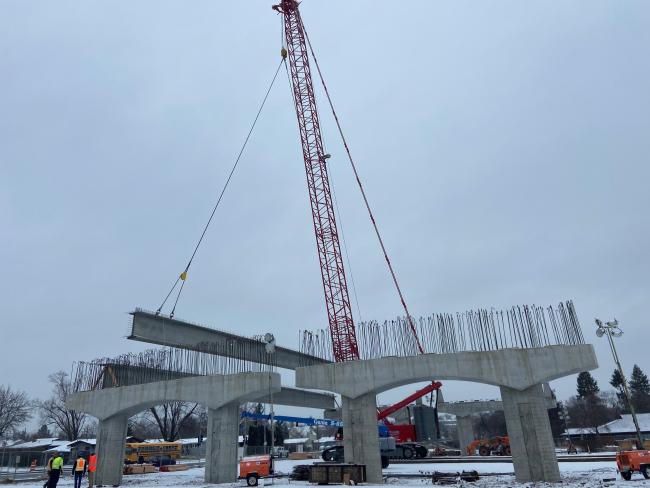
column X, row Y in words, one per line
column 574, row 475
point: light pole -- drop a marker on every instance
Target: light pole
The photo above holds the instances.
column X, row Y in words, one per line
column 611, row 329
column 269, row 347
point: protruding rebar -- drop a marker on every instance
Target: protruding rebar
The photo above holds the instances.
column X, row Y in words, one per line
column 524, row 326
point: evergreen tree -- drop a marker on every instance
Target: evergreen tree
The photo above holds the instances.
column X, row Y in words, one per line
column 639, row 382
column 640, row 390
column 617, row 382
column 282, row 433
column 587, row 385
column 43, row 432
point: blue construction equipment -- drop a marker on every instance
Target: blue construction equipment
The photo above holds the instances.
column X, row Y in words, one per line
column 296, row 420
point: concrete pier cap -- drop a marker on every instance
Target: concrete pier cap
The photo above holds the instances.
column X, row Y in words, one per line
column 210, row 391
column 519, row 373
column 514, row 368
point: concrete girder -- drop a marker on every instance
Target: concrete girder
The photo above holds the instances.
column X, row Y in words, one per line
column 471, row 407
column 164, row 331
column 295, row 397
column 514, row 368
column 210, row 391
column 466, row 409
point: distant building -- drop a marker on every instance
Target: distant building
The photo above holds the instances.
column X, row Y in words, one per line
column 296, row 445
column 24, row 453
column 70, row 450
column 617, row 430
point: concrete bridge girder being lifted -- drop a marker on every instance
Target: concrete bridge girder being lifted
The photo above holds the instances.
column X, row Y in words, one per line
column 162, row 330
column 519, row 373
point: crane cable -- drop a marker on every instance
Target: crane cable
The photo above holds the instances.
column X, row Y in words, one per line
column 365, row 199
column 183, row 276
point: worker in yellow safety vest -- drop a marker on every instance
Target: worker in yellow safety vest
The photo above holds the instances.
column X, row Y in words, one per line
column 79, row 469
column 92, row 467
column 55, row 470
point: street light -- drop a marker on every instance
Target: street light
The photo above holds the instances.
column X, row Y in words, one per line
column 269, row 347
column 611, row 329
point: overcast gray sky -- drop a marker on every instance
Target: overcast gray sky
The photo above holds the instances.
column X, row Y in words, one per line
column 503, row 145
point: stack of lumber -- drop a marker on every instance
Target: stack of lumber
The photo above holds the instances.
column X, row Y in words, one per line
column 173, row 467
column 139, row 469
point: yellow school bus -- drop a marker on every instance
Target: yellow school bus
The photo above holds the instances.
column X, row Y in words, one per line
column 152, row 452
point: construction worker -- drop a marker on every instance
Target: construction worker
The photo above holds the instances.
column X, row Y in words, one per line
column 48, row 469
column 92, row 467
column 55, row 471
column 78, row 470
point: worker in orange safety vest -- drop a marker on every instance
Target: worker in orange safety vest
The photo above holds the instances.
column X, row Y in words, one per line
column 92, row 467
column 79, row 469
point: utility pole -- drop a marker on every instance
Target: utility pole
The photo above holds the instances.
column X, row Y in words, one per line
column 611, row 329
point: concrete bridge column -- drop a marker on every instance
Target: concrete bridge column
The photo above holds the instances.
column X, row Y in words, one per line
column 465, row 432
column 222, row 442
column 360, row 434
column 529, row 429
column 110, row 450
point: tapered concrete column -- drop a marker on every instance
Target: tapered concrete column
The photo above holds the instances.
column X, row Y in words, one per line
column 360, row 434
column 221, row 448
column 529, row 429
column 110, row 450
column 465, row 432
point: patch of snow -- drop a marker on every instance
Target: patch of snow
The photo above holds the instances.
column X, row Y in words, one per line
column 574, row 475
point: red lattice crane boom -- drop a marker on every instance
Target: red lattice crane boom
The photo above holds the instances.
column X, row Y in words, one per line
column 337, row 299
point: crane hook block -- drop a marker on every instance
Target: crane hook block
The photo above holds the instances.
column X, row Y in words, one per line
column 283, row 53
column 184, row 275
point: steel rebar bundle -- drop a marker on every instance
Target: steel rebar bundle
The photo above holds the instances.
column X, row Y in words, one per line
column 168, row 364
column 524, row 326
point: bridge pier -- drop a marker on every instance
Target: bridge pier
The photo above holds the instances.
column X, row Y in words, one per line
column 110, row 450
column 222, row 442
column 360, row 439
column 529, row 429
column 465, row 432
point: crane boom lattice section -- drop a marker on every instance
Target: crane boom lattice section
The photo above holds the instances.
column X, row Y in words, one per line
column 337, row 299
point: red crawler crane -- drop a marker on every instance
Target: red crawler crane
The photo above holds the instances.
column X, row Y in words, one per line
column 337, row 299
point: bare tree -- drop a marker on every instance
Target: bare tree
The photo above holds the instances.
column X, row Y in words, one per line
column 54, row 412
column 171, row 418
column 15, row 409
column 143, row 426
